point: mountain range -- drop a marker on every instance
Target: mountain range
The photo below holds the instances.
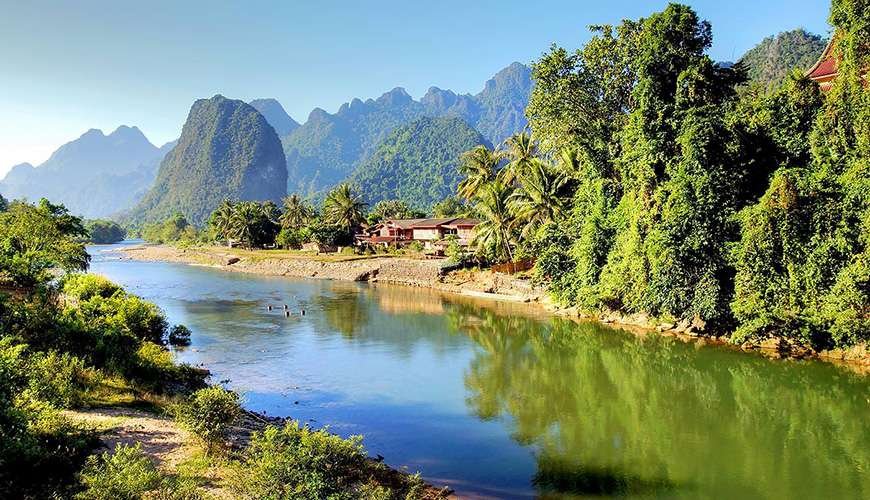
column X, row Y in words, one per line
column 95, row 175
column 392, row 146
column 327, row 148
column 274, row 113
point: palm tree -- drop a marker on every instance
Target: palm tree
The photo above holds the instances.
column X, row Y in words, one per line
column 493, row 236
column 297, row 212
column 539, row 200
column 343, row 207
column 479, row 166
column 522, row 152
column 569, row 163
column 221, row 219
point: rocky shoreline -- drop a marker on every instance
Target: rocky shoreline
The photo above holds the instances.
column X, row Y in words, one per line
column 476, row 284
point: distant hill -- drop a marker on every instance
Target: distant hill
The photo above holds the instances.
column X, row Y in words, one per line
column 227, row 149
column 95, row 175
column 417, row 162
column 328, row 147
column 770, row 61
column 274, row 113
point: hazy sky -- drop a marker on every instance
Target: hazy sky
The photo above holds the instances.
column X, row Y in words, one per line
column 69, row 66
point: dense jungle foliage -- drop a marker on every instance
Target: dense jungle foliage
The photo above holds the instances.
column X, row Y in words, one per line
column 650, row 185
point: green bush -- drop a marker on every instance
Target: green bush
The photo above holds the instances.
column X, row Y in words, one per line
column 39, row 448
column 209, row 413
column 179, row 335
column 293, row 239
column 136, row 317
column 331, row 235
column 293, row 462
column 85, row 286
column 60, row 378
column 105, row 231
column 456, row 253
column 124, row 474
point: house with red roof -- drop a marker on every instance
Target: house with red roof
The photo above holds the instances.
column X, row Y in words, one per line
column 825, row 71
column 431, row 232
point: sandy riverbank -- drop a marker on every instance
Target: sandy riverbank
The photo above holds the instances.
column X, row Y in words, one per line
column 376, row 269
column 477, row 284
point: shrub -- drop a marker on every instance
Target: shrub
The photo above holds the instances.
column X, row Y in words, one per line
column 297, row 462
column 331, row 235
column 455, row 252
column 85, row 286
column 132, row 315
column 61, row 379
column 105, row 231
column 208, row 413
column 293, row 239
column 179, row 335
column 124, row 474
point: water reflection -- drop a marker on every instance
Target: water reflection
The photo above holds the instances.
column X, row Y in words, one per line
column 613, row 413
column 502, row 402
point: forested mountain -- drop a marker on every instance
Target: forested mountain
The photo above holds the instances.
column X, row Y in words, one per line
column 328, row 147
column 95, row 175
column 227, row 150
column 274, row 113
column 418, row 162
column 771, row 60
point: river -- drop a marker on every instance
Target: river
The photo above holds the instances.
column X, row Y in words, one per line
column 500, row 400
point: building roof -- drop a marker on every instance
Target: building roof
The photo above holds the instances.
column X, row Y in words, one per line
column 462, row 222
column 826, row 68
column 431, row 223
column 451, row 222
column 404, row 223
column 383, row 239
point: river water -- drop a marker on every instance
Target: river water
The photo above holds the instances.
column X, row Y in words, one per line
column 500, row 401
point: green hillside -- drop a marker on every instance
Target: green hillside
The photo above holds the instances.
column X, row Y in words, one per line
column 418, row 162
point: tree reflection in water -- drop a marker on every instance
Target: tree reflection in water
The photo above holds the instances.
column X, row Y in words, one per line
column 613, row 413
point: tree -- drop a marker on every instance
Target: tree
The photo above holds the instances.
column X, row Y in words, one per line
column 255, row 224
column 105, row 231
column 493, row 237
column 298, row 212
column 35, row 239
column 538, row 200
column 451, row 206
column 221, row 220
column 344, row 207
column 521, row 153
column 392, row 209
column 479, row 167
column 802, row 260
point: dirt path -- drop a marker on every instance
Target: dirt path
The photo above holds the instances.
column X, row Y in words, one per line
column 162, row 440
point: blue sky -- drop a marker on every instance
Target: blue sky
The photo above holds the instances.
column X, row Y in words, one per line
column 66, row 67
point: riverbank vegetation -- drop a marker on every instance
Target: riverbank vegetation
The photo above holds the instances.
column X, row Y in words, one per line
column 103, row 232
column 73, row 341
column 656, row 181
